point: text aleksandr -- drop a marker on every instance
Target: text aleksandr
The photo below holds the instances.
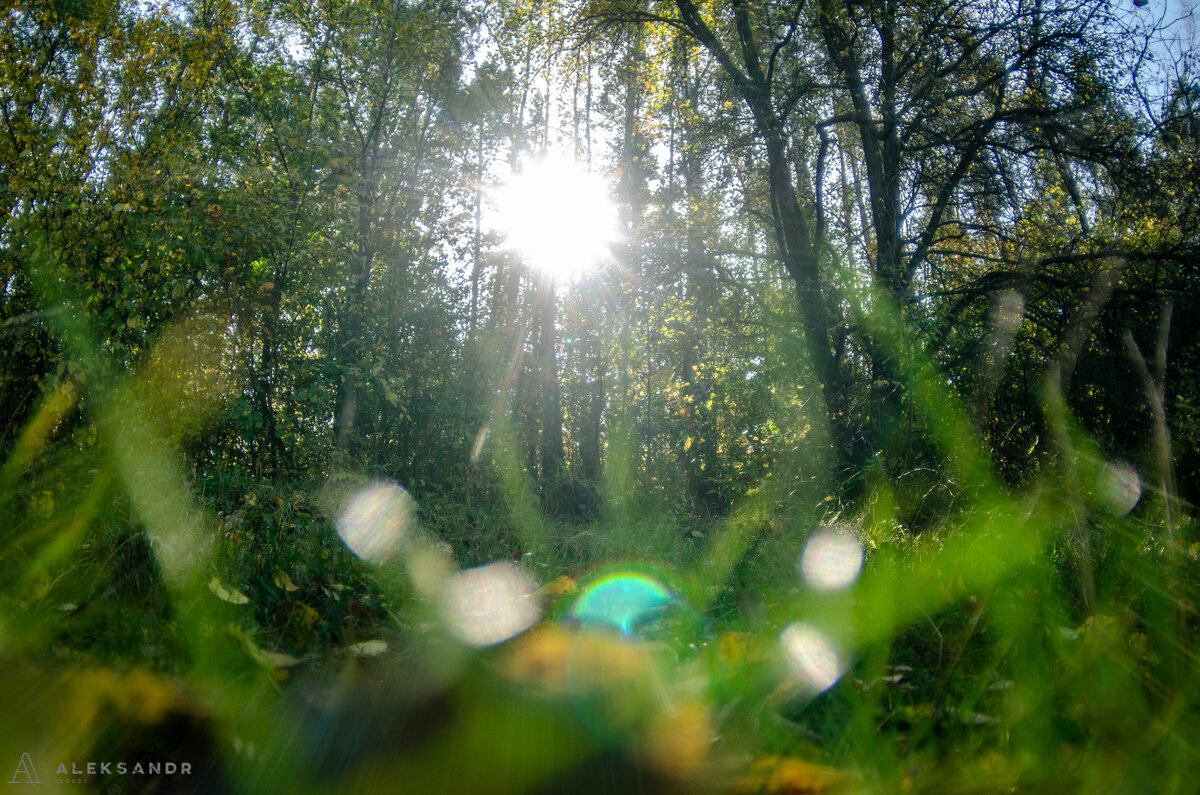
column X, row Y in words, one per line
column 124, row 769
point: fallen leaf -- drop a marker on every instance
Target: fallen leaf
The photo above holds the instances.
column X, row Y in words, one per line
column 306, row 615
column 782, row 775
column 267, row 659
column 677, row 742
column 234, row 597
column 741, row 648
column 561, row 586
column 368, row 648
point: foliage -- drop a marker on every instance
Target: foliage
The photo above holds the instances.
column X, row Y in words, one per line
column 878, row 428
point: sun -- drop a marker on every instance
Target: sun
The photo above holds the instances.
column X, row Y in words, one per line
column 556, row 215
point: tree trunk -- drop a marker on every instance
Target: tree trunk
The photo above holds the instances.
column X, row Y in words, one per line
column 801, row 257
column 590, row 443
column 352, row 346
column 701, row 464
column 550, row 447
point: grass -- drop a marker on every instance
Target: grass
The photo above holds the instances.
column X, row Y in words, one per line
column 969, row 662
column 1038, row 638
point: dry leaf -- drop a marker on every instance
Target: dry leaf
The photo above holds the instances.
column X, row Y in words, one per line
column 268, row 659
column 741, row 648
column 305, row 615
column 234, row 597
column 562, row 586
column 368, row 648
column 678, row 741
column 782, row 775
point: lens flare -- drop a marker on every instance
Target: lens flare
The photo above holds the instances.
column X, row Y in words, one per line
column 556, row 214
column 1119, row 487
column 831, row 561
column 376, row 519
column 625, row 602
column 489, row 604
column 1008, row 313
column 811, row 657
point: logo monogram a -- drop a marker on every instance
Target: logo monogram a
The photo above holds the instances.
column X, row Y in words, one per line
column 25, row 768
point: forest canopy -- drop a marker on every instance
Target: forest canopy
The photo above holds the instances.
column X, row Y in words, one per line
column 851, row 347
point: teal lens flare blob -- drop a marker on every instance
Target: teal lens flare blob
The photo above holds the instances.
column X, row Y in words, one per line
column 625, row 602
column 633, row 617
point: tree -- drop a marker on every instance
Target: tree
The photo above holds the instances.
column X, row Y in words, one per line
column 941, row 108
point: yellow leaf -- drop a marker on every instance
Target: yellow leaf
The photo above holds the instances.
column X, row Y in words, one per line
column 740, row 648
column 137, row 695
column 267, row 659
column 306, row 615
column 234, row 597
column 781, row 775
column 677, row 741
column 282, row 580
column 556, row 660
column 561, row 586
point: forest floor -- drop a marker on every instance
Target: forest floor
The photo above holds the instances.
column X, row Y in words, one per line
column 773, row 650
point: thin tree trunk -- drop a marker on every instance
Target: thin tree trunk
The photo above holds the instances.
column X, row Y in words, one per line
column 551, row 443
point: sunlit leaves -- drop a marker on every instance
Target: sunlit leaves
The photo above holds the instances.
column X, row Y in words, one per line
column 240, row 213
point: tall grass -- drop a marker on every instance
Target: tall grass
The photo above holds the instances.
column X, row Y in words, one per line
column 1038, row 638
